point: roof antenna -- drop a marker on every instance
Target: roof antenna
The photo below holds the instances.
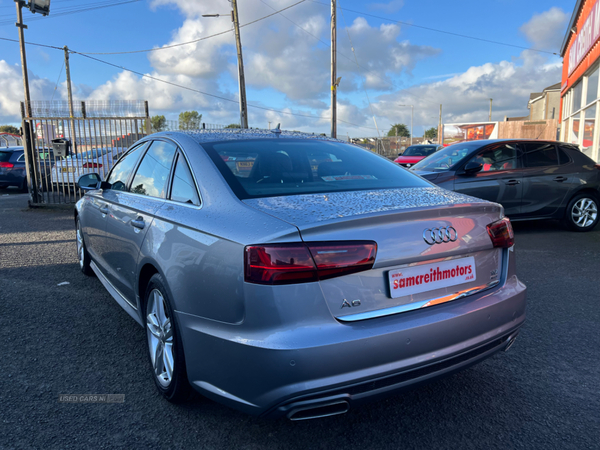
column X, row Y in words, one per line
column 277, row 129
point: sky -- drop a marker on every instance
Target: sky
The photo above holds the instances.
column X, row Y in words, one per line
column 389, row 57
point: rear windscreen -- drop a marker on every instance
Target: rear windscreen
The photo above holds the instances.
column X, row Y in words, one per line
column 274, row 167
column 5, row 156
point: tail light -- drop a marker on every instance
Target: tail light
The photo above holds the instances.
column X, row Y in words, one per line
column 7, row 165
column 597, row 166
column 89, row 165
column 501, row 233
column 301, row 263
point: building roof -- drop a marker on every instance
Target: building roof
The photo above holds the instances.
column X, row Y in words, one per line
column 554, row 87
column 535, row 96
column 563, row 47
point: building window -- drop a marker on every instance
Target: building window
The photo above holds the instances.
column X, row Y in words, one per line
column 588, row 130
column 577, row 91
column 574, row 131
column 592, row 88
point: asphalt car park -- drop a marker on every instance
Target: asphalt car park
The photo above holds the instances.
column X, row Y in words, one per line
column 74, row 338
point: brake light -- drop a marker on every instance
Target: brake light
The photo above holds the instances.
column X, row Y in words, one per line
column 7, row 165
column 89, row 165
column 597, row 166
column 501, row 233
column 301, row 263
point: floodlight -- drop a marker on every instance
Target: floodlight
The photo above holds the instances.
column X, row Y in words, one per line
column 39, row 6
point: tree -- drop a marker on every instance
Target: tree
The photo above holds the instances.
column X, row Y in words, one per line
column 189, row 120
column 159, row 123
column 233, row 125
column 402, row 130
column 431, row 133
column 9, row 129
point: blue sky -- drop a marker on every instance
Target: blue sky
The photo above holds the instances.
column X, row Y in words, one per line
column 287, row 68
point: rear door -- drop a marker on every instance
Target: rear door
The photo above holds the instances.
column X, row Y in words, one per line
column 547, row 178
column 132, row 213
column 500, row 179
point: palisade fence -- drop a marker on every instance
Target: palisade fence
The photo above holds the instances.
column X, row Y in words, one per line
column 389, row 147
column 99, row 132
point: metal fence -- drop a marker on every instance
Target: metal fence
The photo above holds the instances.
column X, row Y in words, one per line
column 390, row 147
column 97, row 142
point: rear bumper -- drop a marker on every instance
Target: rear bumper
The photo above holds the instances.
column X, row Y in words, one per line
column 289, row 369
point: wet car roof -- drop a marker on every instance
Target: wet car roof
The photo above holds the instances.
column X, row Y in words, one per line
column 235, row 134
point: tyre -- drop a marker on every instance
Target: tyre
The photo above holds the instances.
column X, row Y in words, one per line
column 82, row 253
column 582, row 212
column 165, row 349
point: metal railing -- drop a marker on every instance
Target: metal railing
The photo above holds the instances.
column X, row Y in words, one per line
column 96, row 145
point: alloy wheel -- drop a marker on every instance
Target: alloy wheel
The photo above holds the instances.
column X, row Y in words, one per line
column 584, row 212
column 160, row 338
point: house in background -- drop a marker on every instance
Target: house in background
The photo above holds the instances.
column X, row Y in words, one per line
column 545, row 105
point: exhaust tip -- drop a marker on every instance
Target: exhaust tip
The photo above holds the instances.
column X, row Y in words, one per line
column 511, row 340
column 318, row 411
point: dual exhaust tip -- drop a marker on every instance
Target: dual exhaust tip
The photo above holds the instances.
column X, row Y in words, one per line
column 340, row 406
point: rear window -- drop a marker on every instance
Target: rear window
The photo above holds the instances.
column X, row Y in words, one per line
column 5, row 156
column 275, row 167
column 422, row 150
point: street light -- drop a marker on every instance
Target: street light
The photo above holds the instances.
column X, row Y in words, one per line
column 412, row 110
column 40, row 6
column 241, row 80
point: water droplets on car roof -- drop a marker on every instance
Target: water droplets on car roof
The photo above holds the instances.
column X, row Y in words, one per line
column 231, row 134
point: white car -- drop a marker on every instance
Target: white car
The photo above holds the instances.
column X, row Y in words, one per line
column 97, row 160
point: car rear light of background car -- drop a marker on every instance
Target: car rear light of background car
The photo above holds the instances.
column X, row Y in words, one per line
column 501, row 233
column 301, row 263
column 597, row 166
column 7, row 165
column 89, row 165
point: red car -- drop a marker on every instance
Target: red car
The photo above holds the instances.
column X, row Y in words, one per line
column 416, row 153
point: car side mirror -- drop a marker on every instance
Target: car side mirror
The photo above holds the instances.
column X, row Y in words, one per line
column 473, row 167
column 89, row 181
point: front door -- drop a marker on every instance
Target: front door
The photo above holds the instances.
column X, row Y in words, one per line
column 498, row 181
column 131, row 215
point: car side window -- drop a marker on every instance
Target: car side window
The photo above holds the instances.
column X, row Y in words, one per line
column 183, row 188
column 540, row 155
column 503, row 157
column 21, row 158
column 563, row 157
column 120, row 173
column 153, row 172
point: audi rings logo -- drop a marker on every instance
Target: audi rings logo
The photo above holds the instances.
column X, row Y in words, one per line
column 439, row 235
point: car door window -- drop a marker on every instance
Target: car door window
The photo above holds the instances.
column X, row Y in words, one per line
column 540, row 155
column 183, row 188
column 121, row 171
column 21, row 158
column 503, row 157
column 153, row 172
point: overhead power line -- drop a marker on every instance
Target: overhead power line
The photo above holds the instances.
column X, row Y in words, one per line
column 195, row 40
column 312, row 116
column 437, row 30
column 70, row 10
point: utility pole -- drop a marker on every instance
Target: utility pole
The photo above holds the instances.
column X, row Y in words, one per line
column 68, row 72
column 20, row 25
column 490, row 119
column 440, row 129
column 241, row 80
column 412, row 110
column 269, row 125
column 333, row 71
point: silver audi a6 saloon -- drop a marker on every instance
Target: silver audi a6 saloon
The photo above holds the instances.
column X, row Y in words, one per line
column 294, row 275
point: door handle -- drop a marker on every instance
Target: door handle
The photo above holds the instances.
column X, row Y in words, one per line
column 559, row 179
column 104, row 209
column 512, row 182
column 138, row 223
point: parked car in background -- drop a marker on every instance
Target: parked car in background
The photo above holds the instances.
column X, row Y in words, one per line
column 532, row 179
column 416, row 153
column 12, row 168
column 67, row 171
column 267, row 270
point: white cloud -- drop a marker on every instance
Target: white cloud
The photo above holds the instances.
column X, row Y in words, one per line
column 546, row 30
